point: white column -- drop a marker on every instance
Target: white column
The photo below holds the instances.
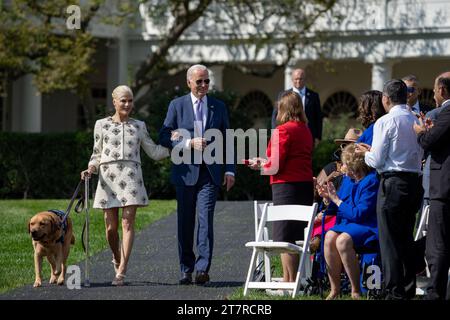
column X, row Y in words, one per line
column 112, row 70
column 216, row 76
column 123, row 57
column 117, row 67
column 26, row 112
column 381, row 72
column 288, row 77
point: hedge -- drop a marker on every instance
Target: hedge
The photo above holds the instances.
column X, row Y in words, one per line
column 48, row 166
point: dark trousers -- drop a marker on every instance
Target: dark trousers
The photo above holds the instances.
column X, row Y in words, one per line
column 202, row 196
column 399, row 198
column 438, row 248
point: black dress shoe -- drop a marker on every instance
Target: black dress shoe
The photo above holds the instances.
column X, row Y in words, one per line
column 201, row 278
column 186, row 278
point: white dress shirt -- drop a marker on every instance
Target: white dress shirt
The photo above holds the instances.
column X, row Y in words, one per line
column 204, row 115
column 187, row 142
column 301, row 93
column 394, row 146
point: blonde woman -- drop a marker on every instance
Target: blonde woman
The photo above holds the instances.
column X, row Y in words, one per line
column 116, row 159
column 356, row 220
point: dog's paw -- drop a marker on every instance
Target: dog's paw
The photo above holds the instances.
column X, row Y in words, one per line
column 52, row 279
column 37, row 283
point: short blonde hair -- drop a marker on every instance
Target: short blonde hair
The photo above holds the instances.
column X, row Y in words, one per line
column 354, row 161
column 121, row 90
column 290, row 107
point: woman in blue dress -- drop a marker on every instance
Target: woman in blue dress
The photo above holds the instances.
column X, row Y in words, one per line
column 356, row 220
column 370, row 109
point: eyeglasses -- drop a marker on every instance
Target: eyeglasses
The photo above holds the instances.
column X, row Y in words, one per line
column 410, row 89
column 200, row 81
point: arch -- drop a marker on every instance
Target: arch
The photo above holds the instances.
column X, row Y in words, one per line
column 340, row 102
column 257, row 107
column 426, row 98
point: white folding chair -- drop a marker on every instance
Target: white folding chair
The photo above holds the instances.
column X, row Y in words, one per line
column 422, row 228
column 267, row 246
column 422, row 282
column 258, row 209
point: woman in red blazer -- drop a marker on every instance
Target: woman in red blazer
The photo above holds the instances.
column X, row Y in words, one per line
column 289, row 164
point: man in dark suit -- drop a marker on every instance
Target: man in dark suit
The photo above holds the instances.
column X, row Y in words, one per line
column 197, row 181
column 436, row 139
column 310, row 102
column 414, row 91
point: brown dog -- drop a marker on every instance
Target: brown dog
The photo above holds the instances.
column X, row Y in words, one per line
column 50, row 240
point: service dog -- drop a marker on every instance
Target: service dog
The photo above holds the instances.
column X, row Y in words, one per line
column 51, row 239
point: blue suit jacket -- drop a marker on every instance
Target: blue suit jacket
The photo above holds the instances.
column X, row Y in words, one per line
column 180, row 115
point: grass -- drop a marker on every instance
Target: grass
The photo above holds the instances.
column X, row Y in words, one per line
column 16, row 251
column 257, row 294
column 254, row 294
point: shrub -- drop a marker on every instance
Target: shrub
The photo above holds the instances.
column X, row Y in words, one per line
column 48, row 166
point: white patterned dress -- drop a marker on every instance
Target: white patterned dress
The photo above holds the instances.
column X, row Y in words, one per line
column 116, row 158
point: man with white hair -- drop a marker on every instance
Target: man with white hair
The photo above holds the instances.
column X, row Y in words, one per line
column 310, row 102
column 197, row 184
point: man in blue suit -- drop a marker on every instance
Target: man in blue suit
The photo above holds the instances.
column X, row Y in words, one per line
column 197, row 182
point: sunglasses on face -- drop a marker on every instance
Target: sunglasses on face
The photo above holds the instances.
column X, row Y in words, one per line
column 200, row 81
column 410, row 89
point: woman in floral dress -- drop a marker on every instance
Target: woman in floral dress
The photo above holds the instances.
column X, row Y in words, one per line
column 116, row 159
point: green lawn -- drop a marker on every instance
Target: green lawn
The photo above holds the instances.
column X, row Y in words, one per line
column 16, row 251
column 255, row 294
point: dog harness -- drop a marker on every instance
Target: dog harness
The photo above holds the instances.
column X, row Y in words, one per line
column 63, row 225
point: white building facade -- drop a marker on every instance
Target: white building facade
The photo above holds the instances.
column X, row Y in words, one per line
column 375, row 41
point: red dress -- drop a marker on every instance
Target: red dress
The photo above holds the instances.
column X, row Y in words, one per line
column 290, row 166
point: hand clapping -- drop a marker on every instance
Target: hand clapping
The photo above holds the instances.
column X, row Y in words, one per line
column 332, row 195
column 256, row 163
column 362, row 147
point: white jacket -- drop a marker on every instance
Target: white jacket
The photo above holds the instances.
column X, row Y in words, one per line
column 114, row 141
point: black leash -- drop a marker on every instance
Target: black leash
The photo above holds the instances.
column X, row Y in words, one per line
column 74, row 196
column 79, row 207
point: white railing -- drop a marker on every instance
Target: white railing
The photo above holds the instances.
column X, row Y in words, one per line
column 356, row 16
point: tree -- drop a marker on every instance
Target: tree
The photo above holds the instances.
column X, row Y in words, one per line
column 252, row 26
column 34, row 39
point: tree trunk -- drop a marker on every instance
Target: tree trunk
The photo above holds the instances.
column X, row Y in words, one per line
column 88, row 108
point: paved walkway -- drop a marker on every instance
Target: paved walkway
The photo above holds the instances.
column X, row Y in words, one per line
column 153, row 271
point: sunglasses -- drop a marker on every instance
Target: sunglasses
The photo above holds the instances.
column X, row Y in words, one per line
column 343, row 145
column 410, row 89
column 200, row 81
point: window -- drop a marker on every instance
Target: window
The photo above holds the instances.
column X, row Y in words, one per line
column 257, row 108
column 426, row 98
column 340, row 102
